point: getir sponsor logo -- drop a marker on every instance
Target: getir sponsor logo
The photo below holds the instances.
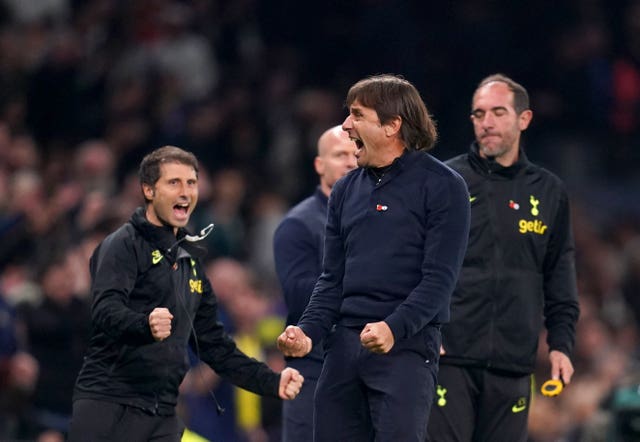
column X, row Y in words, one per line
column 535, row 226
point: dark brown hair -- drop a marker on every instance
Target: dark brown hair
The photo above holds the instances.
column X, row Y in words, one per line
column 149, row 171
column 392, row 96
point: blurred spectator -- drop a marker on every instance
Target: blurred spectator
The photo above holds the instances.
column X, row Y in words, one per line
column 268, row 210
column 178, row 47
column 95, row 166
column 55, row 10
column 18, row 374
column 25, row 217
column 56, row 334
column 226, row 209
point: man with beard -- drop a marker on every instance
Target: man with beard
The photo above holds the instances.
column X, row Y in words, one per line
column 518, row 271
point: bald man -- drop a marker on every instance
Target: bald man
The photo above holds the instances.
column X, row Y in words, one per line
column 298, row 247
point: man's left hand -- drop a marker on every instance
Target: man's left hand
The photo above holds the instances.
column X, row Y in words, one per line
column 290, row 383
column 377, row 337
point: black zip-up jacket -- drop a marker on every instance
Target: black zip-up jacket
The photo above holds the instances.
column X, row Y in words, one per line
column 519, row 269
column 135, row 269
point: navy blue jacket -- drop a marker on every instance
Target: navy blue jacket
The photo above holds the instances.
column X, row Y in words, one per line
column 298, row 244
column 393, row 248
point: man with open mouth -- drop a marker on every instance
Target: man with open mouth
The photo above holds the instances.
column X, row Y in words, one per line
column 151, row 300
column 396, row 234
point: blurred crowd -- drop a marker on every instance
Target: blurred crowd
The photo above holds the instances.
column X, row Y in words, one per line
column 87, row 87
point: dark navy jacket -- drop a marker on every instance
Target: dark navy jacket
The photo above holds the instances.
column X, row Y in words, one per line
column 298, row 244
column 393, row 248
column 519, row 269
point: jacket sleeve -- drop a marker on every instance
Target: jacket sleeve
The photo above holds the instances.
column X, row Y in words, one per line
column 296, row 259
column 114, row 269
column 220, row 352
column 324, row 306
column 447, row 233
column 561, row 308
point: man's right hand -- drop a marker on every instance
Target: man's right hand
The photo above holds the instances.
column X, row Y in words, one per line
column 160, row 323
column 293, row 342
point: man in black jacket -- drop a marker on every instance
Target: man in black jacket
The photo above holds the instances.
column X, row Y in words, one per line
column 396, row 233
column 518, row 271
column 151, row 299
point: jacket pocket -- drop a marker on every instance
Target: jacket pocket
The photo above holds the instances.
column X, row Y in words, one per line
column 426, row 343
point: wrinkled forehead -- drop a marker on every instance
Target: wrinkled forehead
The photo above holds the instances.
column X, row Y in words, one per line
column 492, row 95
column 177, row 169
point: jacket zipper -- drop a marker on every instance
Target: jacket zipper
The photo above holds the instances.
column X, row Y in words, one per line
column 494, row 273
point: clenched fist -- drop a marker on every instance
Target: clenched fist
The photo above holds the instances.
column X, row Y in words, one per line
column 293, row 342
column 160, row 323
column 290, row 383
column 377, row 337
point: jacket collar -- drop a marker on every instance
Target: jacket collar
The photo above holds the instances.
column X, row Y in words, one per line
column 162, row 237
column 319, row 194
column 485, row 167
column 399, row 163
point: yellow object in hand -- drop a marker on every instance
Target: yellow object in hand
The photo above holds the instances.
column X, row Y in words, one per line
column 552, row 387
